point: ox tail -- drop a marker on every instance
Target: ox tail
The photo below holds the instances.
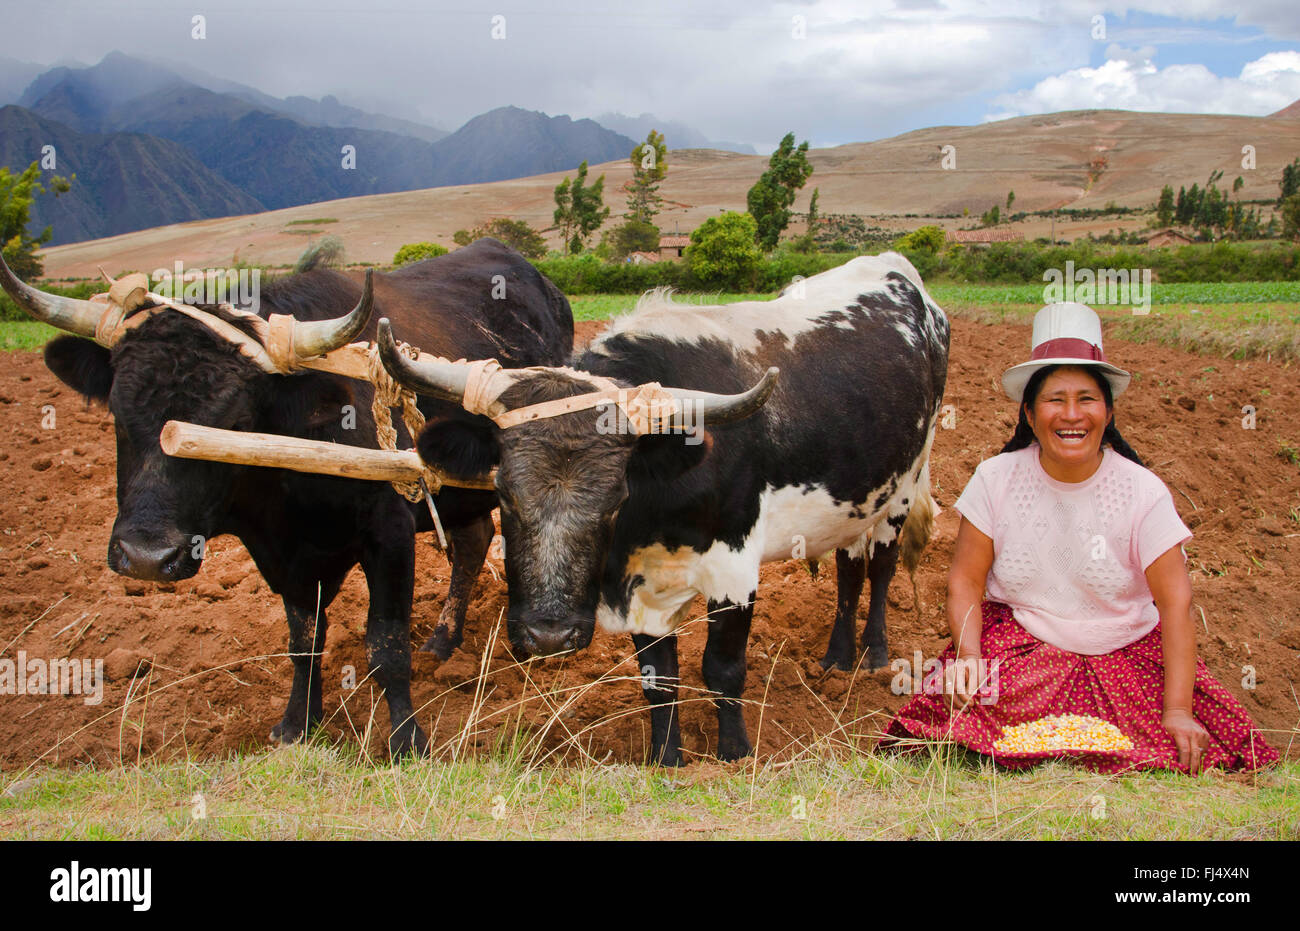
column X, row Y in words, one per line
column 917, row 530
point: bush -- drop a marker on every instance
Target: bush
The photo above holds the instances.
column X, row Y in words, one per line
column 415, row 251
column 928, row 238
column 722, row 253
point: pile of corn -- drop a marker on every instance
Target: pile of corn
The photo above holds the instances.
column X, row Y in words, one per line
column 1063, row 732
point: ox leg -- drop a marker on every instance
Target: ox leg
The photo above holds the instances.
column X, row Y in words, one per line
column 468, row 548
column 306, row 643
column 880, row 570
column 657, row 665
column 389, row 565
column 724, row 673
column 850, row 571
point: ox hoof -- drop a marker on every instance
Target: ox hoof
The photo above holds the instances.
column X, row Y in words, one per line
column 734, row 749
column 837, row 661
column 877, row 659
column 290, row 730
column 666, row 757
column 441, row 644
column 408, row 742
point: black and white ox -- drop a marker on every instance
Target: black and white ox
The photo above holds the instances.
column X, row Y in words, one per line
column 304, row 532
column 605, row 524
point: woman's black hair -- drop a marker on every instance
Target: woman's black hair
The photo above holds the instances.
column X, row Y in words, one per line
column 1024, row 434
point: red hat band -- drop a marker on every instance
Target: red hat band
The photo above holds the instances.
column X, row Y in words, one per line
column 1067, row 348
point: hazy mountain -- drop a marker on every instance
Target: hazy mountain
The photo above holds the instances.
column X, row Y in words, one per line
column 328, row 111
column 83, row 97
column 269, row 153
column 272, row 157
column 124, row 181
column 509, row 142
column 15, row 75
column 676, row 135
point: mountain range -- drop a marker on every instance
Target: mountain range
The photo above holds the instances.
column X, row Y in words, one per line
column 155, row 143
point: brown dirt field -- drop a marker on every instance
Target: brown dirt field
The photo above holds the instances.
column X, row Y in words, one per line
column 217, row 685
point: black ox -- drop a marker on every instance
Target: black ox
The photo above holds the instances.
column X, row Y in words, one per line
column 601, row 524
column 305, row 532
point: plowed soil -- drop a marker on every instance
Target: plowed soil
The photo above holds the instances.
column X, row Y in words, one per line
column 197, row 668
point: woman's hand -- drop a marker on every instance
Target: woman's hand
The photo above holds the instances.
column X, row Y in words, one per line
column 961, row 681
column 1191, row 738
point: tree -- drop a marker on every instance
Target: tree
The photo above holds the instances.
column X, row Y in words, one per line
column 1011, row 199
column 415, row 251
column 1180, row 207
column 1165, row 206
column 632, row 236
column 1291, row 217
column 649, row 167
column 579, row 208
column 1290, row 183
column 723, row 251
column 992, row 217
column 516, row 234
column 17, row 192
column 772, row 195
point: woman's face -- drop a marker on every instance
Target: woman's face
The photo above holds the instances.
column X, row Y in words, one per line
column 1068, row 418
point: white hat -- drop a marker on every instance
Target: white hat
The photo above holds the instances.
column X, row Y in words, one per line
column 1064, row 334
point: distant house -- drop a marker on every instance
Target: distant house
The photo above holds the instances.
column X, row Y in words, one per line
column 988, row 235
column 672, row 246
column 643, row 258
column 1167, row 237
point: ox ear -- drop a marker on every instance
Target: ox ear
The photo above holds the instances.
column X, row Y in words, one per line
column 663, row 457
column 461, row 448
column 83, row 366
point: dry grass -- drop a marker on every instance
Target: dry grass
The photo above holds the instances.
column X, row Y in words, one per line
column 542, row 781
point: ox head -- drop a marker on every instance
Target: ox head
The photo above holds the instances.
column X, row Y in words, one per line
column 561, row 478
column 166, row 366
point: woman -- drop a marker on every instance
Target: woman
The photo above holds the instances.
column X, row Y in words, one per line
column 1089, row 604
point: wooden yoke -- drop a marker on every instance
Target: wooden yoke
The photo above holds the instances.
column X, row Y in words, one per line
column 191, row 441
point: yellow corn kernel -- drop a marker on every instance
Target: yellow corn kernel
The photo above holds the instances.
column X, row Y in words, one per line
column 1065, row 732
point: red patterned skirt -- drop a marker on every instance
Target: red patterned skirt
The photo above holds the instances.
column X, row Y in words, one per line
column 1126, row 688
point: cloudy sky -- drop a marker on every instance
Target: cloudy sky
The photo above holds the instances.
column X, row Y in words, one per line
column 833, row 71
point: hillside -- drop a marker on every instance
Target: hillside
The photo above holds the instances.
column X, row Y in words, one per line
column 1044, row 159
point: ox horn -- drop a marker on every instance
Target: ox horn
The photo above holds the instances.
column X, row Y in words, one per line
column 66, row 313
column 723, row 408
column 444, row 380
column 313, row 338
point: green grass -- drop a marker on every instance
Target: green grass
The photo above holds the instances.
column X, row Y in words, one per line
column 24, row 334
column 320, row 791
column 317, row 222
column 604, row 306
column 1179, row 293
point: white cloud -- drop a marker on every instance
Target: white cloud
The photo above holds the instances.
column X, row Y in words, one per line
column 1133, row 82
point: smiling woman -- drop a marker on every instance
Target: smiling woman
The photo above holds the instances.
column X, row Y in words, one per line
column 1088, row 608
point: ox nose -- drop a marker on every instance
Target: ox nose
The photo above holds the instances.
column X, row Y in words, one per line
column 153, row 563
column 548, row 637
